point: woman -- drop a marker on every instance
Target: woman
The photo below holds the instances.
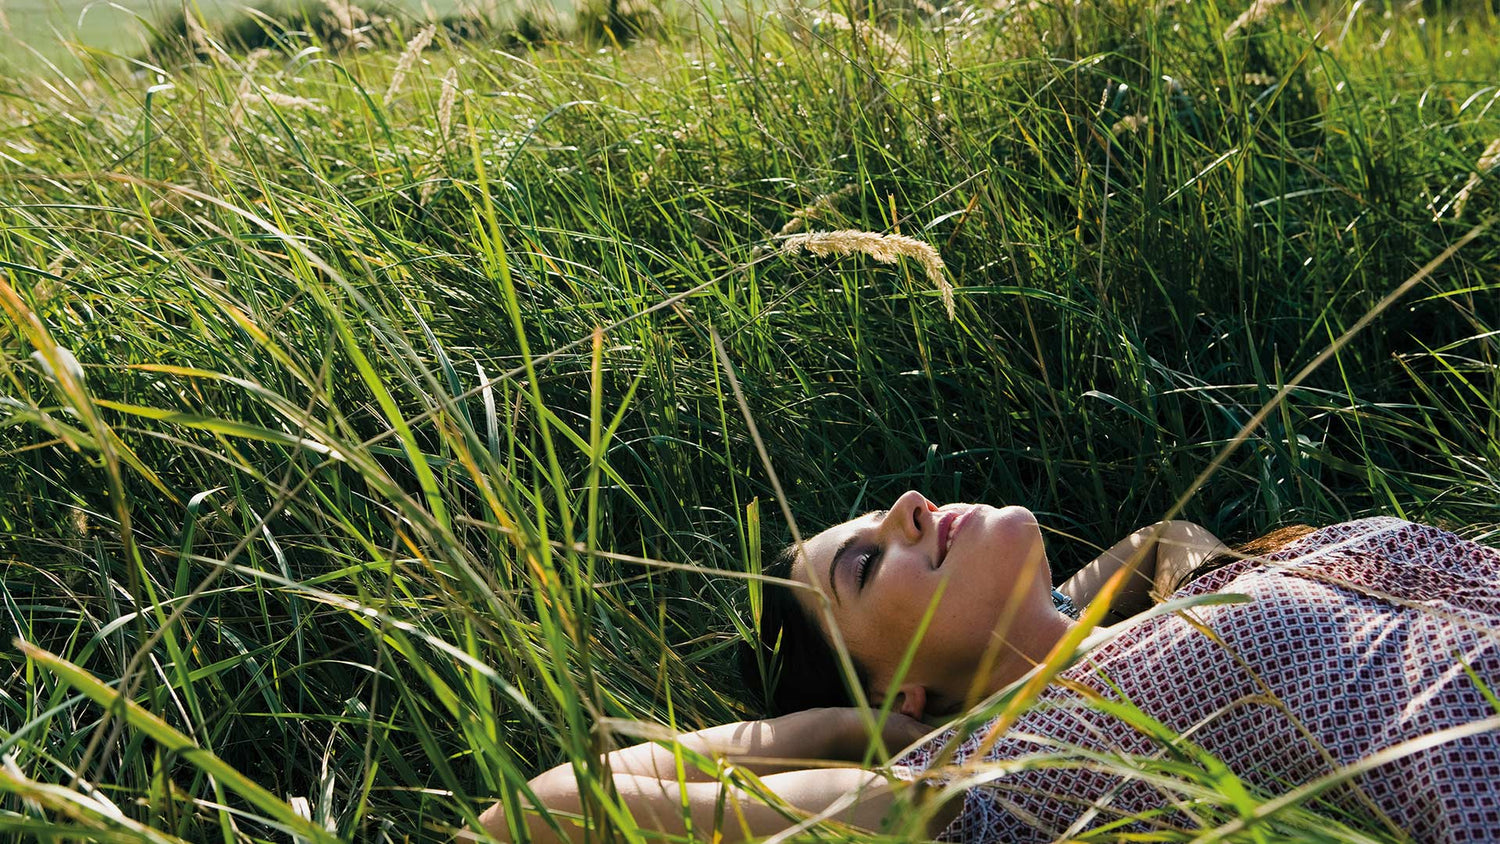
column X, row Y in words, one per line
column 989, row 589
column 1351, row 641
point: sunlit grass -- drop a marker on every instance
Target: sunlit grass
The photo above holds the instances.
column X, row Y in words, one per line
column 401, row 460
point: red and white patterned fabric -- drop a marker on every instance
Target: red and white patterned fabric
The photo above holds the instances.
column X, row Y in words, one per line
column 1355, row 639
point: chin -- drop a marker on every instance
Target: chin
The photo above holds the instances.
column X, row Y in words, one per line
column 1020, row 539
column 1017, row 513
column 1014, row 523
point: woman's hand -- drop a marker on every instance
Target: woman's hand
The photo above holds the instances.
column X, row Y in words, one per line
column 1162, row 555
column 1182, row 549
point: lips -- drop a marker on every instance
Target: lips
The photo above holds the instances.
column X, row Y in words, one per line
column 947, row 526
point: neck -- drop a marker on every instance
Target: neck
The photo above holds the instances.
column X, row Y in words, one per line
column 1022, row 650
column 1025, row 650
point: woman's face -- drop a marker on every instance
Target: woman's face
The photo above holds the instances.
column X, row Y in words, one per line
column 982, row 570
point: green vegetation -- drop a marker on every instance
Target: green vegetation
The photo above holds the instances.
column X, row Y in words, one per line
column 400, row 458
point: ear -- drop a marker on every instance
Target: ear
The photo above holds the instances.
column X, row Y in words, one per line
column 911, row 701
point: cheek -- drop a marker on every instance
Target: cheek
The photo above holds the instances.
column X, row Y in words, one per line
column 879, row 648
column 880, row 632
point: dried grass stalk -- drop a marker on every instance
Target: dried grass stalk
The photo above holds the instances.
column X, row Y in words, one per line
column 1488, row 161
column 409, row 56
column 885, row 248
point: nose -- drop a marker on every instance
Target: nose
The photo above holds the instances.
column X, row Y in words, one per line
column 910, row 517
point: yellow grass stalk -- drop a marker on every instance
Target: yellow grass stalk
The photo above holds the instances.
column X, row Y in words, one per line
column 885, row 248
column 408, row 59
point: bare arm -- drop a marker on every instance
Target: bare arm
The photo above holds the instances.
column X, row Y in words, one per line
column 728, row 813
column 1168, row 551
column 769, row 746
column 658, row 790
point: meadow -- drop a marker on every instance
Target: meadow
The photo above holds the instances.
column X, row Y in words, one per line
column 388, row 417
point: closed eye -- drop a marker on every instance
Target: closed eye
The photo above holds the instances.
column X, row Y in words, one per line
column 867, row 562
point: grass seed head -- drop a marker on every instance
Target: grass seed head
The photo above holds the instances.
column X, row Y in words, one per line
column 1256, row 13
column 885, row 248
column 1488, row 160
column 408, row 59
column 445, row 104
column 875, row 35
column 285, row 101
column 198, row 36
column 825, row 204
column 242, row 94
column 349, row 19
column 446, row 101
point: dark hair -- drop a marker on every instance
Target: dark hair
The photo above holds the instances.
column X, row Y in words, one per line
column 790, row 666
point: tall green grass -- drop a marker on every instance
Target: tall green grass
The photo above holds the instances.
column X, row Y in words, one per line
column 400, row 465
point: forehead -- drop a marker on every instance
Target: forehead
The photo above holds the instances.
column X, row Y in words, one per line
column 811, row 564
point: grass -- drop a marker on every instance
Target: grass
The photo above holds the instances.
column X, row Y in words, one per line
column 401, row 460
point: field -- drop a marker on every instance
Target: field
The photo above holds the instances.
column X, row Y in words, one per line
column 37, row 35
column 409, row 447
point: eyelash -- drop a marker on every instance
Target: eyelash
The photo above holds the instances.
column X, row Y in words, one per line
column 865, row 561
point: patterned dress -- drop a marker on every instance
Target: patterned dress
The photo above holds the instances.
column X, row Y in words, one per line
column 1356, row 638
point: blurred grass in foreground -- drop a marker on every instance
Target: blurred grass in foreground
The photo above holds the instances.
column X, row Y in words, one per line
column 399, row 458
